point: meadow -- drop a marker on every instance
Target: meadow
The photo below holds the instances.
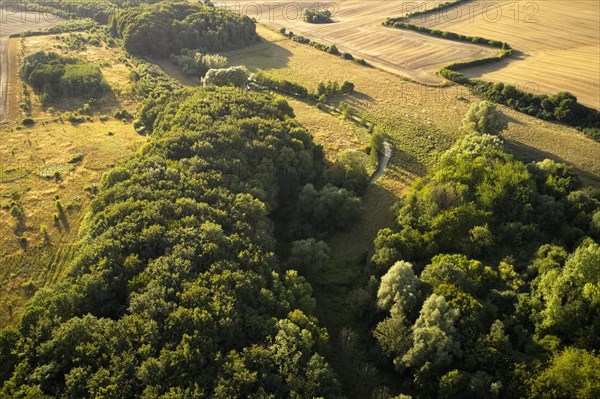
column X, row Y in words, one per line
column 423, row 121
column 55, row 160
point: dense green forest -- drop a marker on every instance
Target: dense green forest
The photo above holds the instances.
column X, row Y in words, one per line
column 190, row 276
column 167, row 28
column 491, row 277
column 176, row 291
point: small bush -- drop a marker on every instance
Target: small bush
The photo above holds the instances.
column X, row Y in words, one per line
column 74, row 117
column 28, row 122
column 16, row 211
column 123, row 114
column 76, row 158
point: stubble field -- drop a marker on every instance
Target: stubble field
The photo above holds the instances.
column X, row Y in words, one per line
column 556, row 43
column 357, row 29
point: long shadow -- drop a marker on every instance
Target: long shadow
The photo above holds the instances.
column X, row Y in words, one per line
column 495, row 66
column 263, row 55
column 362, row 96
column 526, row 153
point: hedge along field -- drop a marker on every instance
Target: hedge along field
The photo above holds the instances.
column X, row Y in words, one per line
column 423, row 121
column 550, row 57
column 357, row 29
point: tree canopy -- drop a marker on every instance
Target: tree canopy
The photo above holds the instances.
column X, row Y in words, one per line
column 175, row 290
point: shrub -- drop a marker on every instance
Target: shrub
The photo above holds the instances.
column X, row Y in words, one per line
column 76, row 158
column 235, row 76
column 347, row 56
column 315, row 16
column 123, row 114
column 28, row 122
column 74, row 117
column 16, row 211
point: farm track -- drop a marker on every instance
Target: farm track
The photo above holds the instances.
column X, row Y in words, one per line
column 4, row 76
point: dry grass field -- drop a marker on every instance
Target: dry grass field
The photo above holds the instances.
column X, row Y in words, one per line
column 111, row 61
column 558, row 42
column 357, row 29
column 15, row 22
column 35, row 248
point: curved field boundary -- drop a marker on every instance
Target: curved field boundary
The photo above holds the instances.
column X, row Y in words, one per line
column 590, row 118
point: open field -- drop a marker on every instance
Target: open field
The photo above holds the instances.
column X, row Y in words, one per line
column 358, row 30
column 557, row 42
column 111, row 61
column 35, row 248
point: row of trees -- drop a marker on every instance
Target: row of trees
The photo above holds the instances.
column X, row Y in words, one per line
column 490, row 276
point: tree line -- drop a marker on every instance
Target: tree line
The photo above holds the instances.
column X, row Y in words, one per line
column 167, row 28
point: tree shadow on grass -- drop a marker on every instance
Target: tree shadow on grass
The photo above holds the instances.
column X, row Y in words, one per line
column 264, row 55
column 526, row 153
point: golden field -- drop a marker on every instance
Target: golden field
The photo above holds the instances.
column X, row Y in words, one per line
column 423, row 121
column 557, row 43
column 358, row 30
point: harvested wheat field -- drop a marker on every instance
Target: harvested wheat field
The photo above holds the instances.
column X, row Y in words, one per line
column 357, row 29
column 556, row 42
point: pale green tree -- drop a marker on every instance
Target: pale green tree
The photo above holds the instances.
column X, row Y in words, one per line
column 484, row 118
column 400, row 289
column 434, row 343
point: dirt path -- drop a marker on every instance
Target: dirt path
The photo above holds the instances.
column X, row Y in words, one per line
column 4, row 77
column 384, row 160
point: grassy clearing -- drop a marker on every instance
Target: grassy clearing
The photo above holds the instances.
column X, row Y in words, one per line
column 28, row 155
column 112, row 62
column 55, row 160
